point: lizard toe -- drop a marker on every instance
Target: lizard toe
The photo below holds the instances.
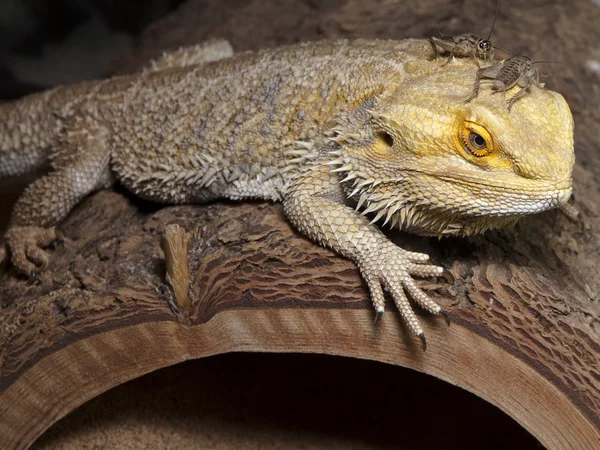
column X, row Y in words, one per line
column 424, row 270
column 394, row 286
column 413, row 257
column 376, row 291
column 421, row 298
column 21, row 262
column 25, row 244
column 37, row 256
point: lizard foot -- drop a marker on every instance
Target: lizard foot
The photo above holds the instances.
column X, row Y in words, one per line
column 391, row 267
column 25, row 244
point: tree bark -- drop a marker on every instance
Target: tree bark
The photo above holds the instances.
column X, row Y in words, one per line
column 524, row 307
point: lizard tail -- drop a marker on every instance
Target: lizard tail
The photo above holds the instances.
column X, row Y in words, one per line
column 26, row 133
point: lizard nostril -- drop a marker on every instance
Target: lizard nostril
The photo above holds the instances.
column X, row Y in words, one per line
column 519, row 170
column 522, row 171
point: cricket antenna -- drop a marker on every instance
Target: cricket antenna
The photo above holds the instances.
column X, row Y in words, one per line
column 494, row 22
column 546, row 62
column 508, row 52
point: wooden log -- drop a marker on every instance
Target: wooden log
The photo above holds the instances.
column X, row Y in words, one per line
column 525, row 333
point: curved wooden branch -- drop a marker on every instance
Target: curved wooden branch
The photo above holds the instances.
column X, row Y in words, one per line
column 88, row 366
column 104, row 314
column 524, row 306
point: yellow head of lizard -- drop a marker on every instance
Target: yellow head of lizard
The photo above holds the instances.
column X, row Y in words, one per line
column 436, row 165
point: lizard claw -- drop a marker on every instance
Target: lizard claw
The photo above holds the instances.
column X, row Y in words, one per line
column 423, row 341
column 32, row 278
column 60, row 236
column 444, row 314
column 25, row 245
column 447, row 275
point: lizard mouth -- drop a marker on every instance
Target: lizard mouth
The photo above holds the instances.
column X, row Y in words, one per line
column 532, row 187
column 545, row 194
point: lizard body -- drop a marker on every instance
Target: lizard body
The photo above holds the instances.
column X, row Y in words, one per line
column 335, row 130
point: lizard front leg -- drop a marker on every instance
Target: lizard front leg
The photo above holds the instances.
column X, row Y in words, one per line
column 315, row 205
column 80, row 166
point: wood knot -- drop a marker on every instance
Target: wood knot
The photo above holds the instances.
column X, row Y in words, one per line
column 175, row 243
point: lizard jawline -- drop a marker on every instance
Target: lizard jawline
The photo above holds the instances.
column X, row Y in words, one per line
column 407, row 213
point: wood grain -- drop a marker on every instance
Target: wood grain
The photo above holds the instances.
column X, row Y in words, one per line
column 89, row 325
column 87, row 367
column 525, row 310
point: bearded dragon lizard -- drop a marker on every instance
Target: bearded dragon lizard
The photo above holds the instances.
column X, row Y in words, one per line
column 344, row 133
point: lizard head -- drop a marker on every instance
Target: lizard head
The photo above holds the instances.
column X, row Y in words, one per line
column 427, row 161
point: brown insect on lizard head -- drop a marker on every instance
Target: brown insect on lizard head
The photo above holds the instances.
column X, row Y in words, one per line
column 494, row 167
column 466, row 44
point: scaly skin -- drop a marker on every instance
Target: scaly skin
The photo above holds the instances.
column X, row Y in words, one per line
column 336, row 130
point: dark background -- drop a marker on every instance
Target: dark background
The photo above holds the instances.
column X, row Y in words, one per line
column 45, row 43
column 48, row 42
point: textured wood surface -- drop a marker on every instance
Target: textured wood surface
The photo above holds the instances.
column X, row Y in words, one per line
column 525, row 312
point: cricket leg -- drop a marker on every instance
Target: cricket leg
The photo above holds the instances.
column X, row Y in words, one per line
column 524, row 84
column 434, row 48
column 449, row 58
column 488, row 72
column 475, row 92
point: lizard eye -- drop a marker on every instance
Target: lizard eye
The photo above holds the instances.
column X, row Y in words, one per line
column 485, row 45
column 476, row 140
